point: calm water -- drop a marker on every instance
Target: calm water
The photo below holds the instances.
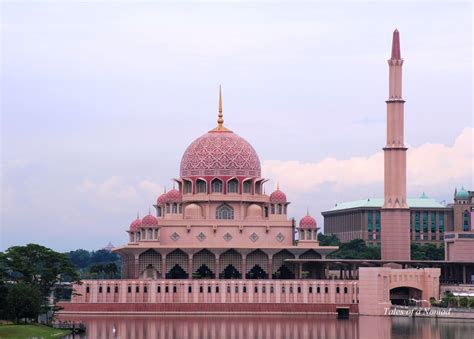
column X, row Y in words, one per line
column 271, row 327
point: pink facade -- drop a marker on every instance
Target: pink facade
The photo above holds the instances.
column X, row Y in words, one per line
column 459, row 246
column 198, row 291
column 395, row 215
column 378, row 286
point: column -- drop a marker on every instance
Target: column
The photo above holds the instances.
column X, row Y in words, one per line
column 136, row 270
column 270, row 266
column 190, row 265
column 218, row 267
column 163, row 266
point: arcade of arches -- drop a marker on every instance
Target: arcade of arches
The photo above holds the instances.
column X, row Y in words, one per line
column 221, row 264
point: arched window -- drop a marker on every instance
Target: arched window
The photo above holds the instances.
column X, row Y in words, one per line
column 247, row 186
column 465, row 227
column 273, row 209
column 132, row 237
column 224, row 212
column 309, row 234
column 188, row 187
column 138, row 236
column 258, row 187
column 265, row 211
column 174, row 208
column 167, row 208
column 159, row 211
column 201, row 186
column 216, row 186
column 280, row 209
column 232, row 186
column 150, row 234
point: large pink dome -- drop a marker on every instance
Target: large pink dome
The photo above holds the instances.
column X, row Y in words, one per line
column 220, row 153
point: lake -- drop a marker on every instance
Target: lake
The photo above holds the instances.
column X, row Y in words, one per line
column 271, row 327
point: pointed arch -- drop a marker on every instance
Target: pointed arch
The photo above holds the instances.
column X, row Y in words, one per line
column 224, row 211
column 282, row 269
column 149, row 264
column 204, row 264
column 231, row 265
column 177, row 265
column 257, row 265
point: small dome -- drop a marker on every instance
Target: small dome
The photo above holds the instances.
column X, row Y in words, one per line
column 193, row 211
column 254, row 211
column 135, row 225
column 161, row 199
column 149, row 221
column 278, row 197
column 462, row 194
column 308, row 222
column 174, row 196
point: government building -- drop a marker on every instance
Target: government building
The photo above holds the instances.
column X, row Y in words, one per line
column 429, row 219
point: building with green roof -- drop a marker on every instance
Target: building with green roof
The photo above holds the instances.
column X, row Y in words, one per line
column 429, row 219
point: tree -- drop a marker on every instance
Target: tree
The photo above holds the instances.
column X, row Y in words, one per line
column 23, row 300
column 356, row 249
column 427, row 252
column 80, row 257
column 328, row 240
column 37, row 265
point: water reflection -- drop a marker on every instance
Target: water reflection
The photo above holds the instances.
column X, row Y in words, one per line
column 270, row 327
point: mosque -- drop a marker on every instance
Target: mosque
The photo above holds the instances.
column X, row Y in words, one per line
column 218, row 222
column 217, row 243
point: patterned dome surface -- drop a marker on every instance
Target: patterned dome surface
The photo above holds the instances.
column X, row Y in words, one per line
column 308, row 222
column 278, row 197
column 150, row 221
column 173, row 196
column 161, row 199
column 135, row 225
column 219, row 153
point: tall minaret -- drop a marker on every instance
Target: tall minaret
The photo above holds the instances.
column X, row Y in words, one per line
column 395, row 222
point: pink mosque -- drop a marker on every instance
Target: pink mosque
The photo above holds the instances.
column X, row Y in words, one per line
column 218, row 243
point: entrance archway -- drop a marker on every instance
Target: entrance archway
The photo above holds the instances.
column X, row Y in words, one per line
column 405, row 296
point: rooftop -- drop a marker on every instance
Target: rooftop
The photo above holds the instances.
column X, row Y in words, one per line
column 378, row 203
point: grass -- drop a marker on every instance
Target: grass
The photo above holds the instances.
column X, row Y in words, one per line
column 30, row 331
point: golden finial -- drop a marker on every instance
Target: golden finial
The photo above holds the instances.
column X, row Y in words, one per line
column 220, row 116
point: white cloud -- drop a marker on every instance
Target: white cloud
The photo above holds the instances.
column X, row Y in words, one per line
column 428, row 165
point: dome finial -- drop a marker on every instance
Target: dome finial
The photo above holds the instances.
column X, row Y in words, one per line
column 138, row 215
column 220, row 116
column 307, row 210
column 278, row 185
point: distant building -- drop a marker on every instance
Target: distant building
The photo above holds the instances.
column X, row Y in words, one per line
column 109, row 247
column 429, row 220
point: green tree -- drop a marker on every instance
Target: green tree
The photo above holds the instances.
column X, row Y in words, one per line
column 38, row 265
column 427, row 252
column 23, row 301
column 328, row 240
column 356, row 249
column 81, row 258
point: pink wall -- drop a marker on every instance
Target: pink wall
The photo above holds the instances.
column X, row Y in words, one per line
column 217, row 291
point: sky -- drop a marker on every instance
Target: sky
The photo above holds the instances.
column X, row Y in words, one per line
column 99, row 100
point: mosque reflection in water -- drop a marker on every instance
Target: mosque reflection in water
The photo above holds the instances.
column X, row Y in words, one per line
column 270, row 327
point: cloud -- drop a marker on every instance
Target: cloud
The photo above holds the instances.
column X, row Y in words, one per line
column 428, row 165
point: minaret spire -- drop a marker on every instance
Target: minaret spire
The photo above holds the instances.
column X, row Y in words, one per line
column 220, row 116
column 395, row 214
column 396, row 45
